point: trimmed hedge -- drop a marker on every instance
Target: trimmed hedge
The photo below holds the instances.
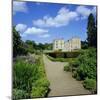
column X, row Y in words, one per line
column 72, row 54
column 61, row 59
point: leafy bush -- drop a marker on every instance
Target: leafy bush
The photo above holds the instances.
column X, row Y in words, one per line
column 23, row 75
column 40, row 88
column 84, row 68
column 29, row 77
column 67, row 68
column 39, row 91
column 90, row 84
column 19, row 94
column 85, row 64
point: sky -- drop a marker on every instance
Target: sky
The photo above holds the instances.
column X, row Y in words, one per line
column 44, row 22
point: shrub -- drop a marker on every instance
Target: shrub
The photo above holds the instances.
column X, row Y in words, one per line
column 19, row 94
column 85, row 65
column 30, row 78
column 23, row 75
column 42, row 82
column 40, row 88
column 84, row 68
column 67, row 68
column 39, row 91
column 90, row 84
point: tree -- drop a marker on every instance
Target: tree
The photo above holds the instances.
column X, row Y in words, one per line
column 92, row 31
column 48, row 46
column 18, row 44
column 84, row 44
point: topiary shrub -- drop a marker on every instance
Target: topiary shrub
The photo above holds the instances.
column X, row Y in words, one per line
column 90, row 84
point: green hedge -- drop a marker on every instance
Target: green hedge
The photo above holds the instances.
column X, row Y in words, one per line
column 72, row 54
column 60, row 59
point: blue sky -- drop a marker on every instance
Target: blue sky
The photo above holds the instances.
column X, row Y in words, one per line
column 44, row 22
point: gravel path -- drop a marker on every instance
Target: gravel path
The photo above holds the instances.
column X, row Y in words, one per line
column 61, row 82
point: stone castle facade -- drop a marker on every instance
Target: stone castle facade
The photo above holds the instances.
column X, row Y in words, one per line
column 70, row 45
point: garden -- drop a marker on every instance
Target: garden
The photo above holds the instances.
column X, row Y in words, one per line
column 29, row 78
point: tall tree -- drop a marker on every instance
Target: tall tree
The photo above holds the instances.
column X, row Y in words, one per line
column 91, row 31
column 18, row 44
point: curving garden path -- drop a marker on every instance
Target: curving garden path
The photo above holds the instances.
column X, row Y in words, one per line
column 61, row 82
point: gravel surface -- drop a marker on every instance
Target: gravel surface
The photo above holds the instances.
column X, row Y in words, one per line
column 62, row 83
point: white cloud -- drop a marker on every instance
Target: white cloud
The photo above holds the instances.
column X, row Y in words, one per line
column 44, row 35
column 34, row 30
column 19, row 7
column 21, row 27
column 63, row 17
column 84, row 11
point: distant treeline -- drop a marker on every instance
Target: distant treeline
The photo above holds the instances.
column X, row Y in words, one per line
column 22, row 48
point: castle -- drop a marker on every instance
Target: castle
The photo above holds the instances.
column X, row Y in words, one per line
column 69, row 45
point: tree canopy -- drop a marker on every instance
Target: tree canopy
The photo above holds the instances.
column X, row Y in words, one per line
column 92, row 31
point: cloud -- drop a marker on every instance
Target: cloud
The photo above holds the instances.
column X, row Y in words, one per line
column 34, row 30
column 44, row 35
column 84, row 11
column 21, row 27
column 19, row 7
column 63, row 17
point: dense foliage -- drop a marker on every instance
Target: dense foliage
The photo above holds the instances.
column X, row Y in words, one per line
column 19, row 94
column 92, row 31
column 90, row 84
column 84, row 66
column 29, row 79
column 84, row 44
column 18, row 44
